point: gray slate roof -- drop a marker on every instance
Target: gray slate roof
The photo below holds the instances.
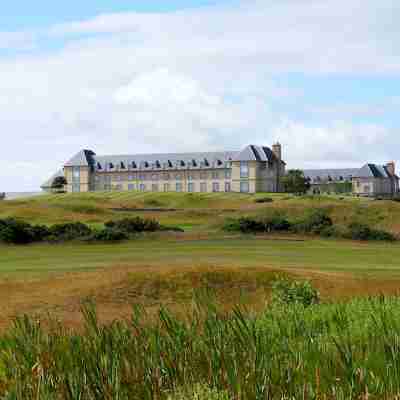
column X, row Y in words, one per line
column 81, row 159
column 169, row 160
column 332, row 174
column 346, row 174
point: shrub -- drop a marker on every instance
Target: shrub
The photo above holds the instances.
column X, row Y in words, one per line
column 264, row 200
column 359, row 231
column 315, row 222
column 134, row 225
column 15, row 232
column 285, row 291
column 331, row 232
column 231, row 225
column 276, row 223
column 109, row 235
column 70, row 231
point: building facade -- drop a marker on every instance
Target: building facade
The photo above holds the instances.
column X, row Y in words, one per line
column 371, row 180
column 253, row 169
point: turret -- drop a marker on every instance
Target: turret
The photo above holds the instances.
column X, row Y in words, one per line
column 277, row 150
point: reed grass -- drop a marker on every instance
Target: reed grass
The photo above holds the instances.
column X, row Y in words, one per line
column 325, row 351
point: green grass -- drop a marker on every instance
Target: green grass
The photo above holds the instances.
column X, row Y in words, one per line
column 329, row 351
column 314, row 255
column 200, row 212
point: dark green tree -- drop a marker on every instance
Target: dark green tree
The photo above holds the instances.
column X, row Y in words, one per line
column 59, row 182
column 295, row 182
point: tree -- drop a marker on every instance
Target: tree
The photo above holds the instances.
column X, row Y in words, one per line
column 59, row 182
column 295, row 182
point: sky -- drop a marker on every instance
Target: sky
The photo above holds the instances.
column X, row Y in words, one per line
column 118, row 76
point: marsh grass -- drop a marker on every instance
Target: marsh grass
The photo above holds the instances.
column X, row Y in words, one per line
column 326, row 351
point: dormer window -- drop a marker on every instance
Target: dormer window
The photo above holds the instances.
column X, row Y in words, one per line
column 133, row 164
column 158, row 164
column 219, row 163
column 99, row 167
column 111, row 165
column 170, row 164
column 182, row 163
column 122, row 165
column 194, row 163
column 146, row 164
column 206, row 163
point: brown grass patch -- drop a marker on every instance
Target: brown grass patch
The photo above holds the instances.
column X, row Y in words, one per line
column 115, row 290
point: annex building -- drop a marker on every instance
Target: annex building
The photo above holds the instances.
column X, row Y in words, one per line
column 250, row 170
column 371, row 180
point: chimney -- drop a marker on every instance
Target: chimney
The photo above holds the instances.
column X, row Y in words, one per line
column 391, row 167
column 277, row 150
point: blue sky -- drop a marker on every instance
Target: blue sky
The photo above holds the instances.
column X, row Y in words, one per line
column 23, row 14
column 120, row 76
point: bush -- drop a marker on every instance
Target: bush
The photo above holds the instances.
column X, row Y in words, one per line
column 331, row 232
column 285, row 291
column 264, row 200
column 315, row 222
column 109, row 235
column 134, row 225
column 276, row 223
column 70, row 231
column 231, row 225
column 358, row 231
column 15, row 232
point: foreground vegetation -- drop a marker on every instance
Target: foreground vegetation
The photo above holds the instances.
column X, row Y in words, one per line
column 289, row 351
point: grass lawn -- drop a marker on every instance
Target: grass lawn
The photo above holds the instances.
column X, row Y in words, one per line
column 312, row 254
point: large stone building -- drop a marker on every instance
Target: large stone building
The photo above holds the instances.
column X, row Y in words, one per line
column 253, row 169
column 371, row 180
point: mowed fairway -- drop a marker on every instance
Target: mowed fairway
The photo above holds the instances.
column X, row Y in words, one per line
column 311, row 254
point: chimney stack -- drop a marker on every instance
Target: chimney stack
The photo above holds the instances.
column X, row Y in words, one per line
column 277, row 150
column 391, row 167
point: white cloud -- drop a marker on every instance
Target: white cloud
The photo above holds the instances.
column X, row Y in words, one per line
column 198, row 79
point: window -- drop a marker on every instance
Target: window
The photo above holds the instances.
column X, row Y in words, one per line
column 203, row 175
column 244, row 169
column 76, row 179
column 118, row 187
column 203, row 187
column 142, row 187
column 154, row 177
column 190, row 187
column 215, row 175
column 215, row 187
column 166, row 187
column 190, row 177
column 228, row 174
column 131, row 186
column 244, row 187
column 178, row 177
column 154, row 187
column 142, row 177
column 166, row 177
column 179, row 187
column 117, row 178
column 227, row 186
column 131, row 177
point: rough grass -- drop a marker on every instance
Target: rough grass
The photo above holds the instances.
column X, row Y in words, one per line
column 198, row 211
column 327, row 351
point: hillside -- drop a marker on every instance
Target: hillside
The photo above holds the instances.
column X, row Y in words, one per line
column 196, row 211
